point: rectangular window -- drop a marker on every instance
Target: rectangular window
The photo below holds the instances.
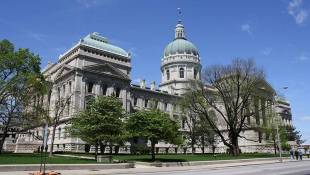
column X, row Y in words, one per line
column 64, row 90
column 69, row 88
column 90, row 87
column 166, row 106
column 104, row 89
column 135, row 101
column 68, row 107
column 146, row 103
column 118, row 92
column 183, row 123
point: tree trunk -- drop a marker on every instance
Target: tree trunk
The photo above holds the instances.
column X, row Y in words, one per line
column 96, row 151
column 275, row 146
column 193, row 143
column 213, row 149
column 235, row 146
column 116, row 149
column 52, row 140
column 153, row 149
column 111, row 149
column 5, row 131
column 203, row 144
column 102, row 148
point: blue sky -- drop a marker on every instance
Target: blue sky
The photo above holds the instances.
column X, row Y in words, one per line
column 275, row 33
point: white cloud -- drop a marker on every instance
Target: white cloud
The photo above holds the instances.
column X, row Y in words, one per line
column 295, row 9
column 88, row 3
column 303, row 58
column 38, row 36
column 306, row 118
column 267, row 51
column 92, row 3
column 246, row 28
column 137, row 80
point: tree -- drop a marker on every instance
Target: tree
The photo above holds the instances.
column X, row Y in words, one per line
column 100, row 123
column 207, row 137
column 155, row 126
column 274, row 127
column 294, row 135
column 61, row 104
column 227, row 90
column 21, row 87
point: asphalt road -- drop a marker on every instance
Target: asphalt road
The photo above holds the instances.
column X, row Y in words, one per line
column 286, row 168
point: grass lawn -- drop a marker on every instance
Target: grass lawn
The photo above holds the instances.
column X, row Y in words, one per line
column 189, row 157
column 18, row 158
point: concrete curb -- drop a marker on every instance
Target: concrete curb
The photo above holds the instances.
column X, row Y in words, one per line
column 197, row 163
column 36, row 167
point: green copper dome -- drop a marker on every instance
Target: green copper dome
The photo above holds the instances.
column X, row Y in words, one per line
column 99, row 42
column 180, row 46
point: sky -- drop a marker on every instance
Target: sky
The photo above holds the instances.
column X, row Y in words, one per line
column 276, row 34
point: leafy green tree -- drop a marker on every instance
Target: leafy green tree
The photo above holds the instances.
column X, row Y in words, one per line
column 155, row 126
column 272, row 128
column 22, row 87
column 294, row 135
column 206, row 136
column 100, row 123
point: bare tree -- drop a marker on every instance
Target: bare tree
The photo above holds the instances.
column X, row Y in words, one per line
column 227, row 90
column 61, row 104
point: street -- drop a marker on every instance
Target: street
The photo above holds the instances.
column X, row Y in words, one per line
column 245, row 168
column 286, row 168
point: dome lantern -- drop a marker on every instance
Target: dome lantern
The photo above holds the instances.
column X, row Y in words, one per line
column 179, row 31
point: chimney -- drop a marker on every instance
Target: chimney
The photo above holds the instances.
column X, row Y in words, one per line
column 153, row 86
column 142, row 84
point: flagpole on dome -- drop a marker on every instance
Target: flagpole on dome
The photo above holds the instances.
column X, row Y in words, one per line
column 180, row 15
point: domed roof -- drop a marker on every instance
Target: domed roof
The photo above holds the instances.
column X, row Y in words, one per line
column 180, row 46
column 97, row 41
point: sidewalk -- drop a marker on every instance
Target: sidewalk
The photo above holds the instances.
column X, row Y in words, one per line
column 145, row 169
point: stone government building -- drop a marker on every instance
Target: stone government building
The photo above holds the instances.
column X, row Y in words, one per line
column 95, row 67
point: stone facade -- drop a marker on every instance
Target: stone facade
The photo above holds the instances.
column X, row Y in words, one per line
column 94, row 67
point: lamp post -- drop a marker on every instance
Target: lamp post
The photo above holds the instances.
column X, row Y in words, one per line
column 278, row 135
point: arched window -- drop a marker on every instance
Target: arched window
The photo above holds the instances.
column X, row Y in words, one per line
column 181, row 71
column 168, row 74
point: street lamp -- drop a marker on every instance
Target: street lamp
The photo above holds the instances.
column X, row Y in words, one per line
column 278, row 135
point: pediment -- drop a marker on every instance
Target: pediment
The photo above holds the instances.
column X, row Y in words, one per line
column 64, row 70
column 106, row 69
column 263, row 84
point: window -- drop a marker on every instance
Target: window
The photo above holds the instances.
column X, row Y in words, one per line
column 68, row 107
column 168, row 74
column 58, row 93
column 104, row 89
column 117, row 92
column 195, row 74
column 146, row 102
column 181, row 71
column 59, row 133
column 90, row 87
column 166, row 106
column 69, row 87
column 64, row 90
column 183, row 123
column 135, row 101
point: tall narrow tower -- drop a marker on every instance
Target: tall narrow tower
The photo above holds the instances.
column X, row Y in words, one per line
column 180, row 63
